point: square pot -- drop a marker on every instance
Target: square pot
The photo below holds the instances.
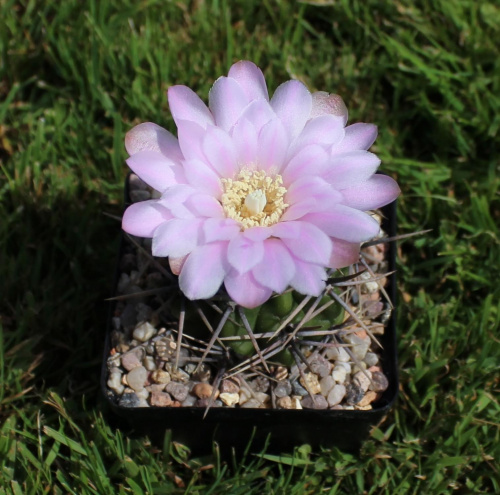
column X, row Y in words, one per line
column 283, row 429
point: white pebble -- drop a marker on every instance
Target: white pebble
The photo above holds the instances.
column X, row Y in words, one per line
column 337, row 354
column 371, row 359
column 229, row 399
column 336, row 395
column 137, row 377
column 339, row 374
column 362, row 380
column 326, row 385
column 142, row 394
column 359, row 346
column 149, row 363
column 115, row 383
column 144, row 331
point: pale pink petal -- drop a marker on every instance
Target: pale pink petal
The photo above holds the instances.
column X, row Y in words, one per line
column 220, row 229
column 345, row 223
column 312, row 187
column 350, row 169
column 286, row 230
column 243, row 254
column 205, row 205
column 311, row 160
column 272, row 146
column 227, row 101
column 142, row 219
column 176, row 237
column 292, row 103
column 156, row 170
column 328, row 104
column 244, row 290
column 309, row 279
column 377, row 191
column 220, row 151
column 152, row 137
column 258, row 233
column 174, row 198
column 299, row 209
column 312, row 244
column 326, row 130
column 176, row 264
column 244, row 138
column 199, row 175
column 250, row 78
column 357, row 137
column 259, row 113
column 190, row 139
column 343, row 253
column 185, row 104
column 276, row 268
column 204, row 271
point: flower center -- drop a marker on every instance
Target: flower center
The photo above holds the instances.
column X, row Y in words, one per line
column 253, row 198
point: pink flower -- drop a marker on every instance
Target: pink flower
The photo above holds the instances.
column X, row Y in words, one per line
column 257, row 194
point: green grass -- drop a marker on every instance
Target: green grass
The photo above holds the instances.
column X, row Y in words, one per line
column 76, row 75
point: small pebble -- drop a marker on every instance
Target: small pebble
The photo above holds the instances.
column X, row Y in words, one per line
column 129, row 400
column 137, row 377
column 339, row 374
column 311, row 383
column 132, row 360
column 319, row 402
column 160, row 376
column 362, row 380
column 284, row 403
column 336, row 394
column 320, row 366
column 165, row 347
column 283, row 388
column 281, row 373
column 379, row 382
column 115, row 383
column 359, row 346
column 202, row 390
column 358, row 367
column 230, row 386
column 144, row 331
column 261, row 384
column 230, row 399
column 149, row 363
column 189, row 401
column 178, row 391
column 298, row 389
column 156, row 387
column 161, row 399
column 326, row 384
column 353, row 394
column 337, row 354
column 251, row 403
column 296, row 402
column 371, row 359
column 202, row 375
column 177, row 374
column 368, row 398
column 143, row 393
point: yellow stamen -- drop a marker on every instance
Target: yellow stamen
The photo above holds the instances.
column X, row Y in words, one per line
column 254, row 199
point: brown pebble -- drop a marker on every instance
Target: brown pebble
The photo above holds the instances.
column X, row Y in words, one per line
column 319, row 402
column 368, row 398
column 379, row 382
column 230, row 386
column 203, row 390
column 160, row 399
column 177, row 390
column 284, row 403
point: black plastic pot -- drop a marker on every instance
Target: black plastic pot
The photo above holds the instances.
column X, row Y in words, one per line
column 282, row 428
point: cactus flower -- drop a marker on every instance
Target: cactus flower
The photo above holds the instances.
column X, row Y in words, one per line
column 257, row 194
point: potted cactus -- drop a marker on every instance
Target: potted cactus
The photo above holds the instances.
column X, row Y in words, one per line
column 253, row 278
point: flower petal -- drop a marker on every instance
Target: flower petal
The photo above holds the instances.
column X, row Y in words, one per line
column 226, row 101
column 343, row 253
column 244, row 290
column 358, row 136
column 272, row 146
column 310, row 160
column 313, row 187
column 243, row 254
column 190, row 139
column 326, row 130
column 245, row 138
column 204, row 271
column 309, row 279
column 205, row 205
column 177, row 237
column 259, row 113
column 219, row 149
column 292, row 103
column 377, row 191
column 141, row 219
column 276, row 268
column 152, row 137
column 345, row 223
column 258, row 233
column 185, row 104
column 349, row 169
column 202, row 177
column 312, row 244
column 156, row 170
column 324, row 103
column 250, row 78
column 174, row 198
column 220, row 229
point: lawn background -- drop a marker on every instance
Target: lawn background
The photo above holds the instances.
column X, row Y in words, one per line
column 75, row 75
